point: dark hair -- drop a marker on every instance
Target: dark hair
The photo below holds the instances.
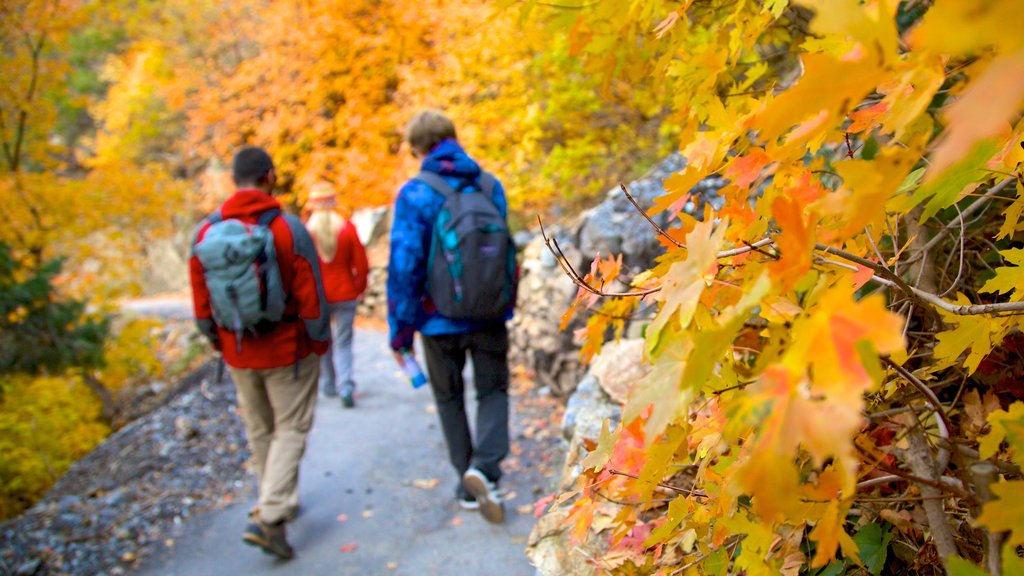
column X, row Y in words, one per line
column 251, row 166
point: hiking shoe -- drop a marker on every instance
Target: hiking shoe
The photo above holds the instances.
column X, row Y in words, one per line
column 347, row 400
column 270, row 538
column 486, row 494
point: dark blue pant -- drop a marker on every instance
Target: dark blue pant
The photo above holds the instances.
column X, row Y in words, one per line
column 446, row 357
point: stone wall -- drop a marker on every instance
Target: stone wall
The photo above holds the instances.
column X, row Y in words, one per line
column 612, row 227
column 598, row 398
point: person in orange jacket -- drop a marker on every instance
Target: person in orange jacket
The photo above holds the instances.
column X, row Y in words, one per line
column 343, row 266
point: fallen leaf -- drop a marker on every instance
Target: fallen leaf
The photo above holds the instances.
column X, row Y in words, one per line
column 426, row 483
column 350, row 547
column 510, row 496
column 367, row 513
column 392, row 565
column 431, row 409
column 524, row 509
column 457, row 521
column 541, row 505
column 342, row 517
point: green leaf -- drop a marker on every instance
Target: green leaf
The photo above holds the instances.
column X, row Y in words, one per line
column 961, row 567
column 873, row 542
column 833, row 569
column 717, row 563
column 942, row 190
column 911, row 181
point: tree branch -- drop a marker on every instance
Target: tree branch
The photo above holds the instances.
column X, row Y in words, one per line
column 648, row 217
column 974, row 207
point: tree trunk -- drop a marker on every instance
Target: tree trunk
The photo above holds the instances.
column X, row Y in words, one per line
column 109, row 409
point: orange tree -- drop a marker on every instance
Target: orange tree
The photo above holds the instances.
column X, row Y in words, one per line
column 834, row 356
column 327, row 86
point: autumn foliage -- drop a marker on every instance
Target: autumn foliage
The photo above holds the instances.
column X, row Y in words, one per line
column 834, row 356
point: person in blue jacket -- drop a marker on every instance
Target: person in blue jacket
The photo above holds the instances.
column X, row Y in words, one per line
column 447, row 341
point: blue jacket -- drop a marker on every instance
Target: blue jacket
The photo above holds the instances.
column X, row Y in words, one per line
column 410, row 308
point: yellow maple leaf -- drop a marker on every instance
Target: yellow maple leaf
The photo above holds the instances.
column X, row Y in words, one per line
column 1006, row 513
column 1008, row 278
column 828, row 85
column 975, row 333
column 1006, row 425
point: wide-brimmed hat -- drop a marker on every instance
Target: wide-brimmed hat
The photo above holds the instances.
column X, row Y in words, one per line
column 322, row 196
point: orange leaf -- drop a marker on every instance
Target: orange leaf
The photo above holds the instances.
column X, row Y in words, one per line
column 795, row 242
column 745, row 169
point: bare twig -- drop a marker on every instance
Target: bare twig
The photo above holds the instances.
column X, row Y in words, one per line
column 701, row 557
column 960, row 272
column 577, row 279
column 924, row 390
column 648, row 217
column 684, row 491
column 881, row 259
column 968, row 211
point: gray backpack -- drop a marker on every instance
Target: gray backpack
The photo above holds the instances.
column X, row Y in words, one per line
column 471, row 269
column 240, row 267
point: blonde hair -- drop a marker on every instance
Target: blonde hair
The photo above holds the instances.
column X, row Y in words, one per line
column 427, row 129
column 324, row 226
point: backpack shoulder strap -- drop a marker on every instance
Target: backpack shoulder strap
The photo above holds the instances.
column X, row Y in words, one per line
column 487, row 181
column 215, row 217
column 436, row 183
column 267, row 217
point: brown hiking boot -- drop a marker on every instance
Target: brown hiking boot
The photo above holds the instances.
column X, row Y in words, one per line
column 270, row 538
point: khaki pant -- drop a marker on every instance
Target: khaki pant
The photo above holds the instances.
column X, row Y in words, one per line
column 277, row 409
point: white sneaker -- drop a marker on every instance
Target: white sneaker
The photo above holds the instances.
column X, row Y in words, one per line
column 486, row 494
column 468, row 503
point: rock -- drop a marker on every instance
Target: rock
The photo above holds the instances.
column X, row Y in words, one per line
column 619, row 366
column 548, row 548
column 371, row 223
column 184, row 429
column 30, row 568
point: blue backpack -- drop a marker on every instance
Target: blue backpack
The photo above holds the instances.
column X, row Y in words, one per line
column 242, row 275
column 471, row 267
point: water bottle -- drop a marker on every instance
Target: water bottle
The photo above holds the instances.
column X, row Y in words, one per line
column 412, row 369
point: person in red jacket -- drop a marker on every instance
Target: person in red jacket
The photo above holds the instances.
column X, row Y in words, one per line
column 343, row 264
column 275, row 368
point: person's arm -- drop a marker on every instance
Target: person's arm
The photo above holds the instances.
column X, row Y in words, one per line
column 360, row 266
column 307, row 287
column 201, row 307
column 407, row 265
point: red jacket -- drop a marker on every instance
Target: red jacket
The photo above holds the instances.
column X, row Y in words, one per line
column 306, row 328
column 345, row 275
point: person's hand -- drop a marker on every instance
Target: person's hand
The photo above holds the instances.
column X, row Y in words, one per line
column 398, row 357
